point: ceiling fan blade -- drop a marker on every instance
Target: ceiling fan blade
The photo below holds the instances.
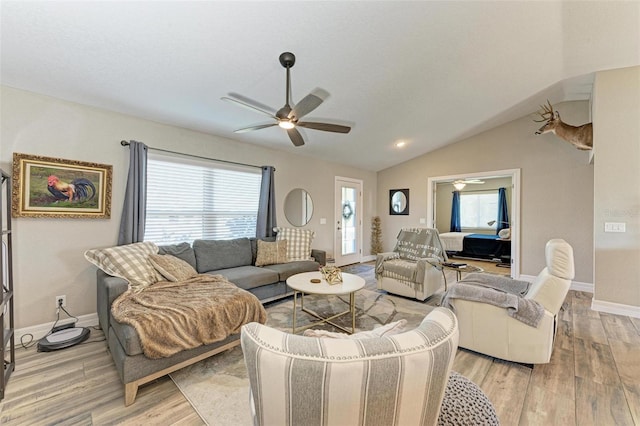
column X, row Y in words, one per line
column 295, row 137
column 327, row 127
column 250, row 104
column 308, row 103
column 256, row 127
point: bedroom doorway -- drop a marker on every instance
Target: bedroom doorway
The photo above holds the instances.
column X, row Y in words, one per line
column 504, row 177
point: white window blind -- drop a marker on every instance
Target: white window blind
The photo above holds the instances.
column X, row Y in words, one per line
column 197, row 199
column 477, row 209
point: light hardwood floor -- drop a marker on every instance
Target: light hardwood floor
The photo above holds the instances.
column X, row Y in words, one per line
column 593, row 379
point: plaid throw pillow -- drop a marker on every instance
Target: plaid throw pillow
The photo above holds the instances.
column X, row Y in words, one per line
column 130, row 262
column 298, row 242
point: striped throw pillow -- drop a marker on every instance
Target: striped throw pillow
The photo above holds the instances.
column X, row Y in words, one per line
column 130, row 262
column 298, row 242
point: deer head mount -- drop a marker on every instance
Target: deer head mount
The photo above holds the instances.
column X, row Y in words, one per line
column 581, row 137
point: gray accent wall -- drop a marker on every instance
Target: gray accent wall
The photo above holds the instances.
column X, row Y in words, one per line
column 556, row 185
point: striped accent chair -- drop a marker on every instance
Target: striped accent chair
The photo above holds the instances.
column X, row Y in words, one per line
column 394, row 380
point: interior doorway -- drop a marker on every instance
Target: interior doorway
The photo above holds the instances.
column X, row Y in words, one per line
column 348, row 221
column 514, row 219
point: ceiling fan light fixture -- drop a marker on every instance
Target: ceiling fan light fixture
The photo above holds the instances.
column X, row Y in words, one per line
column 459, row 185
column 286, row 124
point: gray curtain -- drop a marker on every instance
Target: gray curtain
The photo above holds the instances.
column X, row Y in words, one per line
column 267, row 207
column 135, row 197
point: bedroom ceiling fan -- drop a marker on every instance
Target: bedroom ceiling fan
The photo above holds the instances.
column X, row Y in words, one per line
column 461, row 183
column 288, row 116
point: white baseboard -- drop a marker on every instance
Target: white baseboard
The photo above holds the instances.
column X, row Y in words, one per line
column 41, row 330
column 615, row 308
column 578, row 286
column 575, row 285
column 368, row 258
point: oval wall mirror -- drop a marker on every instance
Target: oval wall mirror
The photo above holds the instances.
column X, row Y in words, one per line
column 298, row 207
column 399, row 201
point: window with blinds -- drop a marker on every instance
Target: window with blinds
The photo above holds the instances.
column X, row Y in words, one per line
column 477, row 209
column 195, row 199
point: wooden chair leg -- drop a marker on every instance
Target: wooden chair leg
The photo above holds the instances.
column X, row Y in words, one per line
column 130, row 392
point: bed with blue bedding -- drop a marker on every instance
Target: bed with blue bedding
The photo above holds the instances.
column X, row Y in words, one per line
column 477, row 246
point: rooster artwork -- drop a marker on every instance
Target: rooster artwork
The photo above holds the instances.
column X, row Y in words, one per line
column 79, row 189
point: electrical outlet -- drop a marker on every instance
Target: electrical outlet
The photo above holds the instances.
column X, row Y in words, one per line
column 62, row 298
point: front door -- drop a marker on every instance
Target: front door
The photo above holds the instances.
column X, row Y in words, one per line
column 348, row 221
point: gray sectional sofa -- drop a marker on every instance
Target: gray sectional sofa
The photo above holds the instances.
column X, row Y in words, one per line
column 234, row 259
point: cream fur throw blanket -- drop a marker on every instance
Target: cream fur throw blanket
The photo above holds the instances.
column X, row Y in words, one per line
column 170, row 317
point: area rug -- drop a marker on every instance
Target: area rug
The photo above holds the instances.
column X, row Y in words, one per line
column 218, row 388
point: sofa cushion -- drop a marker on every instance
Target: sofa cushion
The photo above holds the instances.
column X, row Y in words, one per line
column 271, row 253
column 285, row 270
column 298, row 242
column 130, row 262
column 212, row 255
column 248, row 277
column 172, row 268
column 182, row 251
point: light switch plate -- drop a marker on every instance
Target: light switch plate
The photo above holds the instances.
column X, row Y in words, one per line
column 323, row 221
column 615, row 227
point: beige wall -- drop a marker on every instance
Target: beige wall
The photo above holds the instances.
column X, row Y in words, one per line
column 616, row 132
column 48, row 255
column 556, row 185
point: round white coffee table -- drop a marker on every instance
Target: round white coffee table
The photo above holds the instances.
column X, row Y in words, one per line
column 301, row 283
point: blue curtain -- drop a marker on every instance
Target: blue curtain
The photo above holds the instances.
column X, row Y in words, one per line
column 267, row 204
column 134, row 211
column 503, row 211
column 455, row 213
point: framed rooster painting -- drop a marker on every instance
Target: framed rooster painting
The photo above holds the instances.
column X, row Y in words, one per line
column 59, row 188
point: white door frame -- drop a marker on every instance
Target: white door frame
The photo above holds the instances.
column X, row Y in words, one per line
column 514, row 219
column 337, row 243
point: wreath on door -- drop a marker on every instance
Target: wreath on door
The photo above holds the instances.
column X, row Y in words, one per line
column 347, row 211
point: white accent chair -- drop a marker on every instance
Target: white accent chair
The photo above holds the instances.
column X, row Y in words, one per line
column 414, row 267
column 488, row 329
column 398, row 379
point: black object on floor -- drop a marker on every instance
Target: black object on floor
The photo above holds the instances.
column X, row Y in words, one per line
column 63, row 339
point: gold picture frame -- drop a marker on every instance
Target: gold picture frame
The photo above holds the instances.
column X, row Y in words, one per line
column 59, row 188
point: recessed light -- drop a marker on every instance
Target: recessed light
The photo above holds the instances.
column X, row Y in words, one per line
column 400, row 144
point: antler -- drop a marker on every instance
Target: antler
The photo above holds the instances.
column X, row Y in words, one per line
column 547, row 112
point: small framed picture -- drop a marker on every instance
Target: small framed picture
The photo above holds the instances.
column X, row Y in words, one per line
column 59, row 188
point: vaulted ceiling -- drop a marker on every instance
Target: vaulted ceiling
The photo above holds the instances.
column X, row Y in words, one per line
column 427, row 73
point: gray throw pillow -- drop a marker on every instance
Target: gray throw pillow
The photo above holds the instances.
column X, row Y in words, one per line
column 182, row 251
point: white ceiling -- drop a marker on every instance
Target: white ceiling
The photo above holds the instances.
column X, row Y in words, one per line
column 428, row 73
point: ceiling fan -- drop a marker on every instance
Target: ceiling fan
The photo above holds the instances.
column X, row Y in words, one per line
column 461, row 183
column 288, row 116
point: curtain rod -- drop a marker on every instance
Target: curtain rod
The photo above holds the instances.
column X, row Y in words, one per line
column 479, row 190
column 126, row 143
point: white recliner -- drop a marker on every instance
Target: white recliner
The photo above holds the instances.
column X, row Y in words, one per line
column 489, row 329
column 414, row 267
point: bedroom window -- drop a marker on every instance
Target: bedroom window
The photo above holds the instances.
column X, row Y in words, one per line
column 191, row 199
column 478, row 208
